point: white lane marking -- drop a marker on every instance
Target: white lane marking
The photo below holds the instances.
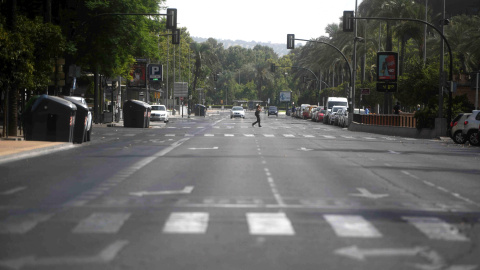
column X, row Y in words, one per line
column 328, row 137
column 288, row 135
column 102, row 223
column 352, row 226
column 187, row 222
column 367, row 194
column 169, row 135
column 22, row 224
column 229, row 135
column 209, row 135
column 185, row 190
column 393, row 152
column 269, row 224
column 369, row 138
column 434, row 228
column 347, row 137
column 249, row 135
column 409, row 174
column 129, row 135
column 269, row 135
column 308, row 136
column 189, row 135
column 205, row 148
column 305, row 149
column 12, row 191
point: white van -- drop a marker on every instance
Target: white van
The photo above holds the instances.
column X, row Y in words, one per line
column 336, row 101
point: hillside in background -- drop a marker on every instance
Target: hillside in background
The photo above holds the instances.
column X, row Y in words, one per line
column 280, row 49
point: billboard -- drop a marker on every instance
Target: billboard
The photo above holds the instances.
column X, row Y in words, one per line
column 285, row 96
column 387, row 66
column 139, row 75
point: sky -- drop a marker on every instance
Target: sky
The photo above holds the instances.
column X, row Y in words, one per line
column 259, row 20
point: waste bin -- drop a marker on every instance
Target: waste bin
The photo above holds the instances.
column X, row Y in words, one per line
column 81, row 118
column 136, row 113
column 49, row 118
column 200, row 110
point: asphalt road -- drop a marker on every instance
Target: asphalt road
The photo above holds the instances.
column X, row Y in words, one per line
column 215, row 193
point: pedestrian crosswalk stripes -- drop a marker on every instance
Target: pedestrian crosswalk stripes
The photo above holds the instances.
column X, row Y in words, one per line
column 188, row 223
column 269, row 224
column 435, row 228
column 102, row 223
column 309, row 136
column 259, row 223
column 352, row 226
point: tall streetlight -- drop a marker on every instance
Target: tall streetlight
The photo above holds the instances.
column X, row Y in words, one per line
column 291, row 45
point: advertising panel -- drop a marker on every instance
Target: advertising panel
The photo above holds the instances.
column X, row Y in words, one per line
column 387, row 66
column 285, row 96
column 138, row 74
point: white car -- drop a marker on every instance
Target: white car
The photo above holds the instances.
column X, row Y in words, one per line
column 237, row 111
column 159, row 112
column 470, row 129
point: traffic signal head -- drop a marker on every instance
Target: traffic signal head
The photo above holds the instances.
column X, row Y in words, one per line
column 348, row 21
column 171, row 18
column 176, row 36
column 290, row 41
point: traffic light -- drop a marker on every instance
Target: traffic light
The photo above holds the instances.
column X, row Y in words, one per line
column 176, row 36
column 347, row 21
column 290, row 41
column 272, row 68
column 171, row 18
column 215, row 77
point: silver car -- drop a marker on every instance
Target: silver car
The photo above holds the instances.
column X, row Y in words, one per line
column 471, row 127
column 237, row 111
column 456, row 127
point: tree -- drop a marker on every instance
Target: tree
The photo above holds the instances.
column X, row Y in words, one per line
column 26, row 53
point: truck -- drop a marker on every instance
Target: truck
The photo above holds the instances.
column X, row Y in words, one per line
column 336, row 101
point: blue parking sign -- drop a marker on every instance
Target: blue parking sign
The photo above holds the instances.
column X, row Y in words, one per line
column 155, row 72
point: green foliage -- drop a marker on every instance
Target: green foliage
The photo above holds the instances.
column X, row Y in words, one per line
column 27, row 54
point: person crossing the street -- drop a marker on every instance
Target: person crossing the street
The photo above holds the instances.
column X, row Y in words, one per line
column 257, row 114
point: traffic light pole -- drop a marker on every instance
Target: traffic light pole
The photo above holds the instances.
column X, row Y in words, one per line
column 344, row 57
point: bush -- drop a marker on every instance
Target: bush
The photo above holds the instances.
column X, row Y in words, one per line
column 425, row 118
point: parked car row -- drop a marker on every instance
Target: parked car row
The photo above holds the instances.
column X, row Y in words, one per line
column 337, row 116
column 464, row 127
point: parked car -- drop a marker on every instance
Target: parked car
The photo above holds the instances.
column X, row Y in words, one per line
column 456, row 127
column 159, row 113
column 310, row 110
column 470, row 130
column 237, row 111
column 340, row 117
column 272, row 110
column 332, row 115
column 89, row 117
column 320, row 115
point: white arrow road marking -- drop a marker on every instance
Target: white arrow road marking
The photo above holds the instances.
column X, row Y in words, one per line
column 360, row 254
column 13, row 191
column 367, row 194
column 212, row 148
column 436, row 262
column 305, row 149
column 186, row 190
column 105, row 256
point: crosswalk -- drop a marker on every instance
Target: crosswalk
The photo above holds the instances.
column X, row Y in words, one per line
column 258, row 223
column 269, row 135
